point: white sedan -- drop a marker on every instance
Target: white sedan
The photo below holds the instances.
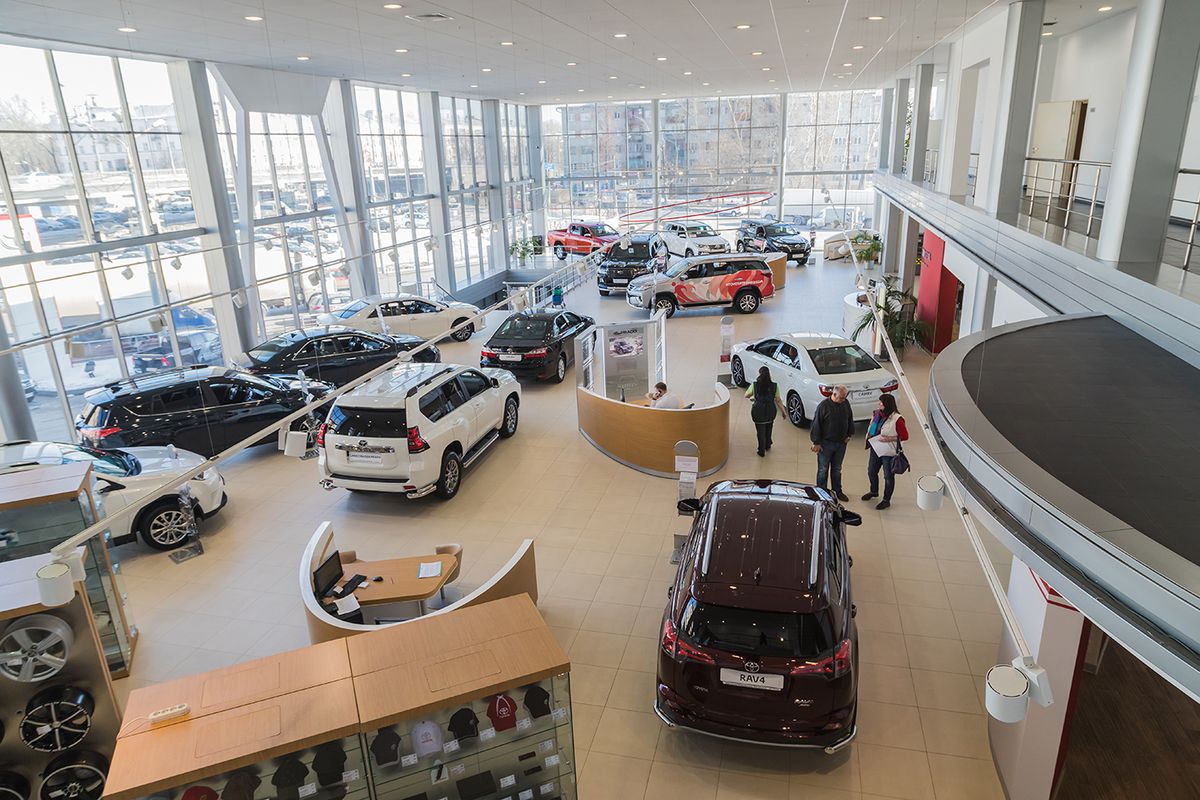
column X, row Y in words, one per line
column 807, row 366
column 123, row 477
column 405, row 313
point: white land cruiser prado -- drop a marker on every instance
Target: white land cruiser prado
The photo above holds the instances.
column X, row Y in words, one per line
column 689, row 239
column 414, row 430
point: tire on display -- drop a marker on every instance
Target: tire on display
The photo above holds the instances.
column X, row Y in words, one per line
column 35, row 648
column 163, row 526
column 78, row 775
column 746, row 302
column 463, row 333
column 665, row 301
column 738, row 371
column 13, row 787
column 560, row 368
column 508, row 425
column 795, row 410
column 560, row 252
column 451, row 475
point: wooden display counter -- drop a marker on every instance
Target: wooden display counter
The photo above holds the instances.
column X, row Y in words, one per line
column 644, row 438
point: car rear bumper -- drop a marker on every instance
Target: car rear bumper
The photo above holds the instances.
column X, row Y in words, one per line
column 675, row 715
column 404, row 486
column 544, row 368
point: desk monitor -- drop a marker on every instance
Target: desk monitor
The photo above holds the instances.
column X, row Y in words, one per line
column 328, row 574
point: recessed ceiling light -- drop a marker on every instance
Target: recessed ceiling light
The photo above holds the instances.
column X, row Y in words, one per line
column 401, row 49
column 127, row 29
column 1102, row 9
column 620, row 35
column 521, row 93
column 612, row 77
column 405, row 74
column 661, row 58
column 393, row 6
column 486, row 69
column 766, row 69
column 757, row 53
column 1047, row 33
column 705, row 83
column 253, row 18
column 847, row 64
column 474, row 86
column 742, row 27
column 689, row 72
column 875, row 18
column 541, row 81
column 302, row 58
column 642, row 86
column 857, row 47
column 579, row 90
column 506, row 44
column 571, row 64
column 772, row 80
column 662, row 94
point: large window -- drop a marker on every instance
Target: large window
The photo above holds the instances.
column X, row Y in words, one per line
column 393, row 157
column 467, row 182
column 518, row 176
column 91, row 159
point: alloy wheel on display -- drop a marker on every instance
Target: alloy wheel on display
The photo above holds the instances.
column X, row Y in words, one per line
column 35, row 648
column 169, row 527
column 57, row 719
column 75, row 776
column 13, row 787
column 795, row 409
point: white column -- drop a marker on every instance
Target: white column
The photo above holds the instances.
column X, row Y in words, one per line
column 886, row 130
column 893, row 217
column 919, row 139
column 537, row 170
column 340, row 120
column 1014, row 115
column 435, row 182
column 958, row 156
column 1151, row 130
column 899, row 126
column 496, row 233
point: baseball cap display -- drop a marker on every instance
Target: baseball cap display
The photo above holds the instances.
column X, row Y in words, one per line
column 199, row 793
column 537, row 700
column 464, row 724
column 241, row 785
column 502, row 711
column 426, row 738
column 386, row 747
column 288, row 778
column 328, row 763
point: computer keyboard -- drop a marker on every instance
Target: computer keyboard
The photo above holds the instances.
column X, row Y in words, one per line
column 350, row 585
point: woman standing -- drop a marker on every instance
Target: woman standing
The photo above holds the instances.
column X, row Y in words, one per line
column 765, row 394
column 887, row 429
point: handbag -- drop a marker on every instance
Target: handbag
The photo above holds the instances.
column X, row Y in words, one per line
column 900, row 463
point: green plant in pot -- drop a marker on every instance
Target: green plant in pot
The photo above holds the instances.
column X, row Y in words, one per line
column 522, row 249
column 867, row 246
column 896, row 307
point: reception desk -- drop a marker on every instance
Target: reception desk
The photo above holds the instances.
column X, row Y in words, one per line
column 644, row 438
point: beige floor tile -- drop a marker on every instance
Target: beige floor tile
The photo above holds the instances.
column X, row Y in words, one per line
column 907, row 545
column 878, row 647
column 930, row 594
column 575, row 586
column 681, row 746
column 873, row 589
column 980, row 657
column 914, row 568
column 564, row 636
column 940, row 655
column 610, row 618
column 675, row 780
column 630, row 566
column 597, row 649
column 890, row 724
column 965, row 777
column 590, row 562
column 584, row 721
column 632, row 691
column 983, row 628
column 947, row 692
column 837, row 772
column 894, row 772
column 886, row 684
column 921, row 621
column 591, row 684
column 641, row 654
column 612, row 777
column 743, row 786
column 883, row 617
column 755, row 759
column 614, row 589
column 971, row 598
column 968, row 572
column 626, row 733
column 955, row 734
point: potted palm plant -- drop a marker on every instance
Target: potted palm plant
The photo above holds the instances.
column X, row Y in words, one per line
column 896, row 306
column 522, row 249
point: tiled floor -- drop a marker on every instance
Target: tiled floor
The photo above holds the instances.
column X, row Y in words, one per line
column 928, row 628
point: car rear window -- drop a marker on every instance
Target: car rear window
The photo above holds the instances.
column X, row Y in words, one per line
column 368, row 422
column 94, row 415
column 760, row 633
column 841, row 360
column 523, row 328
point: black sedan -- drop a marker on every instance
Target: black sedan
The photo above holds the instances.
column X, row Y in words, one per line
column 332, row 353
column 646, row 252
column 202, row 409
column 537, row 343
column 774, row 237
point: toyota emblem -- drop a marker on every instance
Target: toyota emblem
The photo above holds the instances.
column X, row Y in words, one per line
column 753, row 666
column 362, row 442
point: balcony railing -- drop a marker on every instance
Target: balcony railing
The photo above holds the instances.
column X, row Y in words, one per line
column 931, row 165
column 1060, row 191
column 1185, row 217
column 972, row 174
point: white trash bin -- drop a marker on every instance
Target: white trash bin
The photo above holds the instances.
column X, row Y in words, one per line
column 931, row 489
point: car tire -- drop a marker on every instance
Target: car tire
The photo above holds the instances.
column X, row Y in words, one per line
column 560, row 252
column 560, row 368
column 163, row 525
column 463, row 333
column 450, row 477
column 605, row 292
column 738, row 372
column 512, row 410
column 688, row 254
column 665, row 301
column 741, row 246
column 746, row 302
column 795, row 410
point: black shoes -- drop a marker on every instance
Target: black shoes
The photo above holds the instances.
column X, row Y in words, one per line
column 761, row 454
column 882, row 504
column 869, row 496
column 843, row 497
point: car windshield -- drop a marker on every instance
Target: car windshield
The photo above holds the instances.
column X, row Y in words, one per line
column 783, row 230
column 264, row 351
column 523, row 328
column 700, row 230
column 602, row 230
column 680, row 267
column 352, row 309
column 637, row 251
column 841, row 360
column 114, row 463
column 759, row 633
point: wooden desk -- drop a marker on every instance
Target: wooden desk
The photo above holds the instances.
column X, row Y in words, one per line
column 400, row 583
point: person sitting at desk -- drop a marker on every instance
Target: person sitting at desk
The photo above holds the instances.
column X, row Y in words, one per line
column 661, row 398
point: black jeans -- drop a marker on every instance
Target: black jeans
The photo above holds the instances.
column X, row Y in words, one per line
column 889, row 479
column 829, row 460
column 764, row 435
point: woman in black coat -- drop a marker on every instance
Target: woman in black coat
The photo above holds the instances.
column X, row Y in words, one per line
column 765, row 393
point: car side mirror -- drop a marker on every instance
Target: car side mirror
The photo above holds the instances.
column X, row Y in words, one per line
column 851, row 518
column 670, row 592
column 688, row 507
column 109, row 486
column 853, row 611
column 495, row 383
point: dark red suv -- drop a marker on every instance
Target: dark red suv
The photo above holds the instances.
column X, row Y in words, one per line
column 758, row 638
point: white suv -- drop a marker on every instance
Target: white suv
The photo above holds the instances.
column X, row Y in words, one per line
column 689, row 239
column 414, row 430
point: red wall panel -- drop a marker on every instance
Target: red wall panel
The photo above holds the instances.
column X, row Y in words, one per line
column 937, row 293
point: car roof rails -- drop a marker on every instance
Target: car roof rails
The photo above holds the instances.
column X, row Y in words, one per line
column 17, row 441
column 428, row 380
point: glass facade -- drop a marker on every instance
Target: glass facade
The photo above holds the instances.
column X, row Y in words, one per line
column 518, row 175
column 467, row 182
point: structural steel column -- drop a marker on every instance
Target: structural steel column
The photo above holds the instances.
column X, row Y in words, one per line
column 920, row 123
column 1014, row 115
column 899, row 126
column 340, row 119
column 1151, row 130
column 886, row 127
column 496, row 230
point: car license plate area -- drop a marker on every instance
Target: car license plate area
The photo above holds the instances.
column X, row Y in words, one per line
column 752, row 680
column 364, row 458
column 620, row 281
column 863, row 394
column 510, row 356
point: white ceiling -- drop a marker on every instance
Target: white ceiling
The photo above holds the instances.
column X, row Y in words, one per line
column 805, row 43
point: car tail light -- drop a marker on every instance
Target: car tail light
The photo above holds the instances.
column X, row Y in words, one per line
column 321, row 434
column 486, row 353
column 415, row 443
column 164, row 361
column 96, row 434
column 826, row 391
column 890, row 386
column 537, row 352
column 834, row 666
column 672, row 644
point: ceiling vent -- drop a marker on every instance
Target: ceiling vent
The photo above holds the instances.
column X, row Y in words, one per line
column 432, row 16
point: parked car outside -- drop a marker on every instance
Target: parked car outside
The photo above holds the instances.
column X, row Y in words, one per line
column 406, row 313
column 413, row 430
column 580, row 238
column 808, row 365
column 742, row 281
column 758, row 638
column 125, row 477
column 537, row 343
column 333, row 354
column 202, row 409
column 195, row 347
column 689, row 239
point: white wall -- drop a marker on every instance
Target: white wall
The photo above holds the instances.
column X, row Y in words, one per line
column 1012, row 307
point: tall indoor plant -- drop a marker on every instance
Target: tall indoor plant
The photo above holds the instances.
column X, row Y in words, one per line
column 896, row 306
column 522, row 249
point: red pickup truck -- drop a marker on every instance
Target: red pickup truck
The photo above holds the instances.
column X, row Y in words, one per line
column 581, row 238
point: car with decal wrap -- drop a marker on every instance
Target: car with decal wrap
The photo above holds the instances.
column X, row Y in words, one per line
column 742, row 281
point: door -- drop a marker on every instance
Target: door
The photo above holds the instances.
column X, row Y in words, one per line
column 786, row 370
column 448, row 423
column 371, row 353
column 239, row 409
column 566, row 327
column 178, row 416
column 761, row 355
column 319, row 360
column 1057, row 134
column 481, row 406
column 424, row 319
column 388, row 317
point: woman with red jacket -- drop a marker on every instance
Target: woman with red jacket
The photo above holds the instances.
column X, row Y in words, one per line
column 887, row 429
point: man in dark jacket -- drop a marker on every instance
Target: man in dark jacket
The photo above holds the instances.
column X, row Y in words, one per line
column 832, row 427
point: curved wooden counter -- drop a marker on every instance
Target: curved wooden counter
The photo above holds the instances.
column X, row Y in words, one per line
column 644, row 438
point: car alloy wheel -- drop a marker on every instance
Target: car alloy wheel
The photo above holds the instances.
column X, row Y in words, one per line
column 168, row 527
column 795, row 409
column 747, row 302
column 560, row 252
column 741, row 246
column 13, row 787
column 560, row 371
column 511, row 412
column 463, row 333
column 75, row 776
column 57, row 719
column 451, row 475
column 689, row 254
column 35, row 648
column 666, row 304
column 738, row 372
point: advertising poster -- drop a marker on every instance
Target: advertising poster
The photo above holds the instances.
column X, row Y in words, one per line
column 626, row 342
